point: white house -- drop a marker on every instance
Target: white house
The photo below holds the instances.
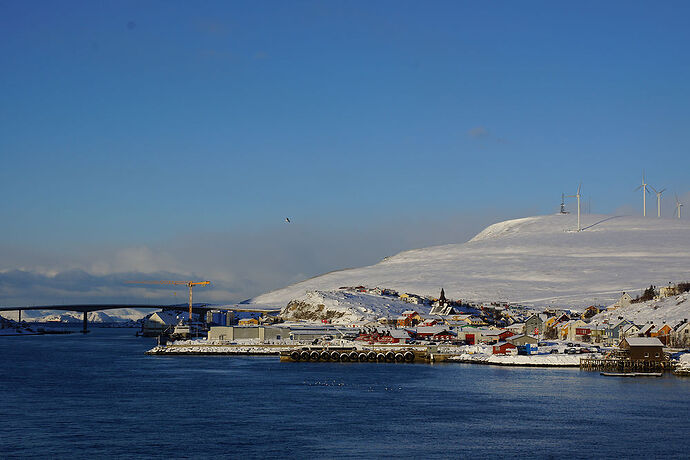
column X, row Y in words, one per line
column 624, row 301
column 680, row 336
column 628, row 330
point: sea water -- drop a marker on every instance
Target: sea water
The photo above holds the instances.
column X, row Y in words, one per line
column 99, row 396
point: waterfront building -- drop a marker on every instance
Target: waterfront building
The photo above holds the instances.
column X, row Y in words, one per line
column 504, row 348
column 262, row 333
column 156, row 323
column 643, row 348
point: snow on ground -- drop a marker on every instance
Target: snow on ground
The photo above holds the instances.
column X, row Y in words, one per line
column 342, row 307
column 536, row 261
column 218, row 349
column 670, row 310
column 520, row 360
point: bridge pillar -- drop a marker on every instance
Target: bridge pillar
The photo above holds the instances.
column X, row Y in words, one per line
column 85, row 328
column 20, row 317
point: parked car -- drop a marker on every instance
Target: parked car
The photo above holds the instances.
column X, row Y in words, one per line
column 554, row 351
column 570, row 351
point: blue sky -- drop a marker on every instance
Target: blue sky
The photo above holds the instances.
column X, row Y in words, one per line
column 168, row 128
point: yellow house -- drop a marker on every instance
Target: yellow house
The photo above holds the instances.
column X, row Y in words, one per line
column 248, row 322
column 550, row 322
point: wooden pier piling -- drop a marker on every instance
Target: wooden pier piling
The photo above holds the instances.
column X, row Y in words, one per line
column 624, row 365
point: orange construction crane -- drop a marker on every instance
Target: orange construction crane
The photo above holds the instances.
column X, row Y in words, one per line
column 191, row 284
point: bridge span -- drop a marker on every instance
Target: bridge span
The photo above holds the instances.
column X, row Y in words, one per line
column 87, row 308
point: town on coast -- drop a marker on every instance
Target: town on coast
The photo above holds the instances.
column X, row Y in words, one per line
column 438, row 329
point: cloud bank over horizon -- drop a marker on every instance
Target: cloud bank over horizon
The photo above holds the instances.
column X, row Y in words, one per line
column 239, row 264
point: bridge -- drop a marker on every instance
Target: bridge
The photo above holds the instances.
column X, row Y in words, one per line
column 87, row 308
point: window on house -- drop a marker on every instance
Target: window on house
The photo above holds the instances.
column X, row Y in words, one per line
column 656, row 355
column 646, row 355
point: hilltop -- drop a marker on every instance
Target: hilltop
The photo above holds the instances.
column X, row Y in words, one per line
column 535, row 261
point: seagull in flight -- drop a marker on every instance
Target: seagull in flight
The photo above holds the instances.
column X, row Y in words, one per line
column 287, row 219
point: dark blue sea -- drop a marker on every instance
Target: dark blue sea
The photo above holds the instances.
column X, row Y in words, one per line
column 99, row 396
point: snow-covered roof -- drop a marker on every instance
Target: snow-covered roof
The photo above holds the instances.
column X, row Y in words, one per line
column 646, row 328
column 644, row 342
column 682, row 326
column 399, row 334
column 492, row 332
column 431, row 329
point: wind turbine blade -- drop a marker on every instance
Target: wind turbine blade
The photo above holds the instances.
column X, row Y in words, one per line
column 653, row 189
column 638, row 187
column 662, row 191
column 578, row 188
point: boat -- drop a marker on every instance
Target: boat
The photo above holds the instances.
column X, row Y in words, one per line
column 631, row 374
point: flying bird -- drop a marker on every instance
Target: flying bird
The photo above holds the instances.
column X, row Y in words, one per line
column 287, row 219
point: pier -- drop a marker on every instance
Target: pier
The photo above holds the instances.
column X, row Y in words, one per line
column 354, row 355
column 624, row 365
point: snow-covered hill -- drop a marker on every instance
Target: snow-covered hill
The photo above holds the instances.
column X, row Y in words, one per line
column 345, row 307
column 113, row 316
column 669, row 310
column 537, row 261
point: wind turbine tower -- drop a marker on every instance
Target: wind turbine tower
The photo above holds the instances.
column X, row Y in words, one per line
column 577, row 195
column 644, row 196
column 678, row 206
column 563, row 211
column 658, row 200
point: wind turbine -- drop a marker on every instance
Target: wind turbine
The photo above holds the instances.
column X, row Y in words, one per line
column 678, row 206
column 658, row 200
column 644, row 197
column 577, row 195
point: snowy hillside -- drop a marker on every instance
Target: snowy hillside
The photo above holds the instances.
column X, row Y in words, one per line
column 669, row 310
column 345, row 307
column 537, row 261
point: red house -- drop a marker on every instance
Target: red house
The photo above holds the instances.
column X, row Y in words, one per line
column 504, row 335
column 502, row 348
column 443, row 336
